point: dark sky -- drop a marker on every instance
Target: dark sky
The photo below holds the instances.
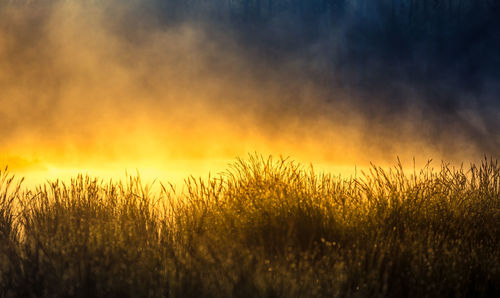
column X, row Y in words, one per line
column 348, row 80
column 433, row 65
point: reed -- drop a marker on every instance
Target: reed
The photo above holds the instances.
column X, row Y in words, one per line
column 263, row 228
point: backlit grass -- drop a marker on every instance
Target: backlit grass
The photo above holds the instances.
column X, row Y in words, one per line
column 264, row 228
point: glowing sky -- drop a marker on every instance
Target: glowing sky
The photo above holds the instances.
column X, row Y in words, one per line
column 83, row 88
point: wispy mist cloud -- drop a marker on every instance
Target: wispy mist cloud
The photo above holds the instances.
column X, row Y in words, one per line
column 95, row 82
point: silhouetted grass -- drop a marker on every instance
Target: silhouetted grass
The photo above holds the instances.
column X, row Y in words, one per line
column 264, row 228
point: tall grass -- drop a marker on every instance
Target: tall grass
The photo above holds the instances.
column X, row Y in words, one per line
column 263, row 228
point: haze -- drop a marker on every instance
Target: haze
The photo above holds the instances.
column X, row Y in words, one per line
column 108, row 87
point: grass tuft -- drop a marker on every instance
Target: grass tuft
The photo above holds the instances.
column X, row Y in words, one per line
column 263, row 228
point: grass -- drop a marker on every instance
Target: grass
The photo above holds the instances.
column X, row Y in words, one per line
column 264, row 228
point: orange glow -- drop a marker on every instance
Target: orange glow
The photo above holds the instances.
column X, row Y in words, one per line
column 76, row 98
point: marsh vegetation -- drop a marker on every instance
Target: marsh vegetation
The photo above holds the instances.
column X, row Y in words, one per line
column 264, row 228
